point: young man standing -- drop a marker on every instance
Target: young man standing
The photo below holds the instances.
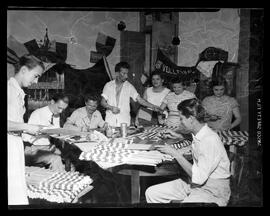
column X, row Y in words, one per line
column 116, row 97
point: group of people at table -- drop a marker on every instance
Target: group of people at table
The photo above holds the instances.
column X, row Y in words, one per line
column 179, row 107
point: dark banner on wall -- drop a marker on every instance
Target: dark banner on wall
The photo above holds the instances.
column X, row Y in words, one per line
column 166, row 66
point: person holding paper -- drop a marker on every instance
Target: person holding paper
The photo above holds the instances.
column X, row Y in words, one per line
column 210, row 171
column 87, row 117
column 38, row 149
column 27, row 71
column 154, row 95
column 116, row 97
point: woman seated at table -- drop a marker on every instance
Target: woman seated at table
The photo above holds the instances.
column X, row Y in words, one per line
column 172, row 99
column 210, row 170
column 154, row 95
column 87, row 117
column 221, row 107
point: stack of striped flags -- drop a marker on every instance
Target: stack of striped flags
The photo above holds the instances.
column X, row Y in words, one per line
column 60, row 187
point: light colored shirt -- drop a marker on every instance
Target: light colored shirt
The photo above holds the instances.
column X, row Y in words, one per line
column 210, row 158
column 17, row 189
column 80, row 120
column 156, row 98
column 172, row 100
column 109, row 93
column 16, row 108
column 42, row 116
column 222, row 106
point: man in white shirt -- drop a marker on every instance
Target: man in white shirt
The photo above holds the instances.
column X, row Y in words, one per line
column 210, row 170
column 116, row 97
column 87, row 117
column 38, row 149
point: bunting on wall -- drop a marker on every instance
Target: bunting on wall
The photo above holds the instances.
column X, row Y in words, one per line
column 170, row 69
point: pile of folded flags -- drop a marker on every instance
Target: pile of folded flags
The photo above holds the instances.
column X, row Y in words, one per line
column 60, row 187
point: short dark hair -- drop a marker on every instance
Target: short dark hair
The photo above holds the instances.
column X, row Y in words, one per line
column 120, row 65
column 177, row 80
column 220, row 81
column 60, row 96
column 161, row 75
column 91, row 96
column 30, row 61
column 192, row 107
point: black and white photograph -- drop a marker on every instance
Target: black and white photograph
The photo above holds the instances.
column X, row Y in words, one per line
column 134, row 107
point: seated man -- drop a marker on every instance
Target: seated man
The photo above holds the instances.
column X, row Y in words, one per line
column 38, row 149
column 210, row 171
column 87, row 117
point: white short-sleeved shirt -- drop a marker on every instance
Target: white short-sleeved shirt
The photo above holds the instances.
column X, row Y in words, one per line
column 156, row 98
column 210, row 158
column 81, row 121
column 172, row 100
column 109, row 93
column 16, row 108
column 223, row 107
column 42, row 116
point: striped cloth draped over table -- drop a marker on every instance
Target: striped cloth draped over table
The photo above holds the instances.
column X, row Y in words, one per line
column 228, row 137
column 115, row 152
column 57, row 187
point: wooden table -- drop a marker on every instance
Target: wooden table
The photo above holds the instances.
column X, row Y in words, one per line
column 167, row 168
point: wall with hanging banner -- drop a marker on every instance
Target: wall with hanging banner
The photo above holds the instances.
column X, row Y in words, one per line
column 171, row 70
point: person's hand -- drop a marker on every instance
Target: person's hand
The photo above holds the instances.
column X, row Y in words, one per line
column 34, row 129
column 167, row 149
column 115, row 110
column 136, row 123
column 157, row 109
column 168, row 133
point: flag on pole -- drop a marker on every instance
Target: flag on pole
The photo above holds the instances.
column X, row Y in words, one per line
column 105, row 44
column 95, row 56
column 107, row 67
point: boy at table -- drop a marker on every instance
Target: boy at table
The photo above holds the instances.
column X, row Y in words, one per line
column 210, row 170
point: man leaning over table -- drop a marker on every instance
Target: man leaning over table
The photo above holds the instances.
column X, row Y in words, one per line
column 116, row 97
column 87, row 117
column 38, row 149
column 210, row 171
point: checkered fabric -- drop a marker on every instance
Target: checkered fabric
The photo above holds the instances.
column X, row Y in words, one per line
column 61, row 187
